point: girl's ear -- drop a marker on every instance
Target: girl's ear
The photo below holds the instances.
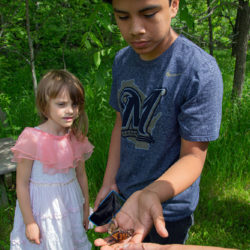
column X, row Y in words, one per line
column 174, row 8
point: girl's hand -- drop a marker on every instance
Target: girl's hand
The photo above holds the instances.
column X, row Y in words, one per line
column 86, row 216
column 103, row 192
column 32, row 232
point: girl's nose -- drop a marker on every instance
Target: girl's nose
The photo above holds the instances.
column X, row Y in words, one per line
column 70, row 109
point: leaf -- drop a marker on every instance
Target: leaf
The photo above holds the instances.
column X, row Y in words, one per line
column 100, row 78
column 95, row 39
column 185, row 16
column 97, row 59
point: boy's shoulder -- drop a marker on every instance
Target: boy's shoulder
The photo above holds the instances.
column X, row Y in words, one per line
column 187, row 47
column 124, row 54
column 182, row 50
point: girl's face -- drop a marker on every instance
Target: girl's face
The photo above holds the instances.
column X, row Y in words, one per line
column 62, row 111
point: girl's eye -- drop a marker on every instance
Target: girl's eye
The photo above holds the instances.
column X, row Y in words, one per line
column 75, row 105
column 60, row 104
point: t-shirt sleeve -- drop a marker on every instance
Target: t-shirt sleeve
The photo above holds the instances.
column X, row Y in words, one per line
column 200, row 114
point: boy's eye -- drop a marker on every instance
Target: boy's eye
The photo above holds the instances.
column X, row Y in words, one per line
column 123, row 17
column 148, row 15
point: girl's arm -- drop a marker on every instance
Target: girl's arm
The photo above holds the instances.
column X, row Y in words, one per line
column 113, row 163
column 23, row 172
column 83, row 182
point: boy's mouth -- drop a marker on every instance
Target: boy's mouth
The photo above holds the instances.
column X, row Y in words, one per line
column 139, row 44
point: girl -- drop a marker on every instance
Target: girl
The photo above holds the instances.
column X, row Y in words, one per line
column 52, row 188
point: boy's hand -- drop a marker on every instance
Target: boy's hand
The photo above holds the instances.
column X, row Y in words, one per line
column 103, row 193
column 139, row 212
column 33, row 233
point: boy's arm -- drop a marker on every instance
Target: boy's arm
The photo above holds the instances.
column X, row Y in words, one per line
column 83, row 182
column 183, row 172
column 113, row 163
column 143, row 208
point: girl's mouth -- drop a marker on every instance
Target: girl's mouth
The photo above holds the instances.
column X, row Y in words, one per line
column 68, row 118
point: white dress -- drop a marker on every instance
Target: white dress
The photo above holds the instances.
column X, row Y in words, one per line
column 57, row 205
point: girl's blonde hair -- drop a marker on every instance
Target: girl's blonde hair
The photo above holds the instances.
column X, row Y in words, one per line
column 51, row 85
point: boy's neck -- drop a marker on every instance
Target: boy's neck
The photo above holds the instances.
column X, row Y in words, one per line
column 162, row 47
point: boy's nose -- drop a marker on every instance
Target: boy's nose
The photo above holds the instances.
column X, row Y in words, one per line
column 137, row 27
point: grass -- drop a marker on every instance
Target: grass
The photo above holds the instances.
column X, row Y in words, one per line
column 222, row 216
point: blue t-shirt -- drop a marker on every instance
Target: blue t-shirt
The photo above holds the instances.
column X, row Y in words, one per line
column 177, row 95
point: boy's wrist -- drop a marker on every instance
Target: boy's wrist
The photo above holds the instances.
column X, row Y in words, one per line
column 108, row 184
column 86, row 203
column 163, row 190
column 108, row 181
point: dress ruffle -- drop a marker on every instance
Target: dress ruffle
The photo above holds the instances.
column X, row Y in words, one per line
column 56, row 153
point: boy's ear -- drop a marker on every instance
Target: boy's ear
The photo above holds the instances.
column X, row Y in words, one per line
column 174, row 7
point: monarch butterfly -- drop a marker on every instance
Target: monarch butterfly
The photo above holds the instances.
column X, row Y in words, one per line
column 120, row 235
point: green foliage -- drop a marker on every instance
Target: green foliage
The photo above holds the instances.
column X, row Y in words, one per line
column 82, row 36
column 185, row 14
column 223, row 210
column 222, row 216
column 192, row 21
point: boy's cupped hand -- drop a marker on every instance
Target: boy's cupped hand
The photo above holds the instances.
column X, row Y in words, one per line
column 139, row 213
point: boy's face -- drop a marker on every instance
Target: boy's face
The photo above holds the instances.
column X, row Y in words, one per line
column 145, row 25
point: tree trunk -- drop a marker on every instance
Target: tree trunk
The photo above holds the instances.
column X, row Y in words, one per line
column 241, row 51
column 210, row 26
column 32, row 59
column 235, row 33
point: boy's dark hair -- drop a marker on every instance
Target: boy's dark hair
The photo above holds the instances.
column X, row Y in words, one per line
column 110, row 1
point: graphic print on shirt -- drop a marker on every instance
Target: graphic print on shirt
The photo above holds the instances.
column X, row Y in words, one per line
column 138, row 113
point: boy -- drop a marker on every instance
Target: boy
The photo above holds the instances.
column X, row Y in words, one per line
column 167, row 93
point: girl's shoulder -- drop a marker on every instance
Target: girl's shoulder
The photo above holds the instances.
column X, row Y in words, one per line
column 27, row 134
column 81, row 147
column 26, row 144
column 56, row 153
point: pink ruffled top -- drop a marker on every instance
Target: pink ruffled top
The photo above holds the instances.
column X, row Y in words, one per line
column 57, row 153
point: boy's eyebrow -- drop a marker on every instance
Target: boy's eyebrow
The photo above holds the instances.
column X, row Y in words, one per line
column 120, row 11
column 151, row 7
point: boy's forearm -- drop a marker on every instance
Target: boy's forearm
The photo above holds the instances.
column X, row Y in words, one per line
column 181, row 175
column 113, row 163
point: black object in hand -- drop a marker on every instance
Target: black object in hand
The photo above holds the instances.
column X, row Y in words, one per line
column 107, row 209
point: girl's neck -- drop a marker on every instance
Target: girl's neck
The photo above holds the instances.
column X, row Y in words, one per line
column 52, row 129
